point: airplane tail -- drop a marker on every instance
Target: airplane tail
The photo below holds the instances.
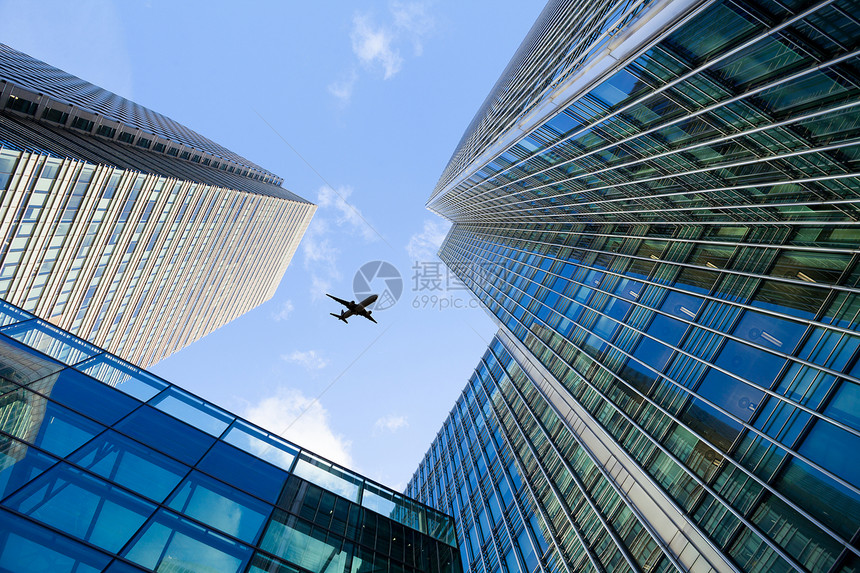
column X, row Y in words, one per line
column 339, row 317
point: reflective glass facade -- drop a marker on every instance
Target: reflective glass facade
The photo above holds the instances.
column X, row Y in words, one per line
column 669, row 246
column 124, row 227
column 105, row 467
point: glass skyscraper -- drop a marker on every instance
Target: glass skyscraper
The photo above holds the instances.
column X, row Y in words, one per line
column 124, row 227
column 658, row 204
column 105, row 467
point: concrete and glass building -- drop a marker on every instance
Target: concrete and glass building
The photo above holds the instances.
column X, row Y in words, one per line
column 124, row 227
column 658, row 204
column 105, row 467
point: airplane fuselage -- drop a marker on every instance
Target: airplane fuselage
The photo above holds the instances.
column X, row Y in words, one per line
column 355, row 309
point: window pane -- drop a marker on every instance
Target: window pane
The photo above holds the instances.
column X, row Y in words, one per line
column 82, row 505
column 23, row 544
column 302, row 544
column 261, row 444
column 122, row 376
column 733, row 396
column 19, row 463
column 10, row 314
column 244, row 471
column 166, row 434
column 131, row 464
column 51, row 426
column 89, row 397
column 23, row 366
column 826, row 445
column 832, row 503
column 50, row 340
column 171, row 543
column 326, row 475
column 193, row 410
column 221, row 506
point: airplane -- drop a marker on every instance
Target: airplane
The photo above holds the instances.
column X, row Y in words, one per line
column 354, row 309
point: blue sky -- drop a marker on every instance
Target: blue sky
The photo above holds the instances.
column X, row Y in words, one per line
column 373, row 96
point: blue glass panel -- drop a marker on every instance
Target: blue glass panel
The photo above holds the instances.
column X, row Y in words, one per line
column 220, row 506
column 244, row 471
column 711, row 424
column 89, row 397
column 325, row 474
column 666, row 329
column 82, row 505
column 120, row 567
column 24, row 546
column 170, row 543
column 58, row 429
column 265, row 564
column 50, row 340
column 827, row 445
column 195, row 411
column 23, row 365
column 750, row 363
column 845, row 405
column 262, row 444
column 736, row 397
column 298, row 542
column 123, row 376
column 683, row 306
column 769, row 331
column 831, row 502
column 11, row 314
column 166, row 434
column 131, row 464
column 399, row 508
column 19, row 463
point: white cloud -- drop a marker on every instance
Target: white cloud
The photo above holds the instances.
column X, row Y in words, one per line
column 347, row 214
column 377, row 45
column 312, row 430
column 285, row 311
column 389, row 423
column 342, row 89
column 372, row 45
column 412, row 20
column 335, row 216
column 423, row 246
column 308, row 359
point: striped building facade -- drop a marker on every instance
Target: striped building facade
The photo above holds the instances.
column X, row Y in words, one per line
column 125, row 227
column 658, row 204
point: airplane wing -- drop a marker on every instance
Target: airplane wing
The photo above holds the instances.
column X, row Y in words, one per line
column 368, row 317
column 340, row 300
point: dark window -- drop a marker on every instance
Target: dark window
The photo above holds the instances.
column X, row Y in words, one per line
column 159, row 147
column 196, row 159
column 173, row 151
column 244, row 471
column 215, row 164
column 207, row 161
column 126, row 137
column 106, row 131
column 143, row 142
column 55, row 115
column 83, row 124
column 185, row 155
column 91, row 398
column 166, row 434
column 23, row 105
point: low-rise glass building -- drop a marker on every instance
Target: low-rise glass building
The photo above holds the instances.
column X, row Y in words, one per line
column 105, row 467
